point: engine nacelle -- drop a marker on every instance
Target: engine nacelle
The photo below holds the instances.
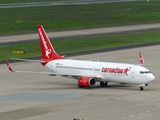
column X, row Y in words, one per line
column 87, row 81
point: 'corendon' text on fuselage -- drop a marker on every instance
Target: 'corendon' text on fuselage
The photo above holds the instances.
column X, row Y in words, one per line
column 117, row 70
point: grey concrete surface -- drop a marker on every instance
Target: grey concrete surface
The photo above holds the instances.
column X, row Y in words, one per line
column 42, row 97
column 79, row 33
column 72, row 2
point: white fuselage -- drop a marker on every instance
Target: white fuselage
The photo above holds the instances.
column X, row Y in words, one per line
column 107, row 71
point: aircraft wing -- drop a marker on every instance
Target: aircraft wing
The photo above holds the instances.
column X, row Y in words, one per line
column 52, row 73
column 27, row 60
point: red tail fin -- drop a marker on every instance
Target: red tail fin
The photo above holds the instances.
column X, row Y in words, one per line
column 141, row 58
column 48, row 53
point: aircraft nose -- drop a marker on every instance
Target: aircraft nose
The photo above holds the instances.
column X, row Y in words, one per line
column 152, row 77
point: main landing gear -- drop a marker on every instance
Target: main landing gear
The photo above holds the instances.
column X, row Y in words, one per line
column 103, row 84
column 80, row 86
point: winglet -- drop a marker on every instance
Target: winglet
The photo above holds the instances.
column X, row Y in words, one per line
column 9, row 67
column 141, row 58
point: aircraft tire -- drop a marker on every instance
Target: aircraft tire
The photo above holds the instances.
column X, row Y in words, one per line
column 141, row 88
column 103, row 84
column 106, row 83
column 79, row 85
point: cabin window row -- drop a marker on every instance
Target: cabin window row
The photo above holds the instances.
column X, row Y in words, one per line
column 73, row 68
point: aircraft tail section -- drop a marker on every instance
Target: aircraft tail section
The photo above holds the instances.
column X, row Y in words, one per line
column 141, row 58
column 48, row 52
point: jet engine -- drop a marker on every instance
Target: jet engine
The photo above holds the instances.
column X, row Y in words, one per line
column 86, row 82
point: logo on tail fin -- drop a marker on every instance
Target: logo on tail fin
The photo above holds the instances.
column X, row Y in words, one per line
column 48, row 51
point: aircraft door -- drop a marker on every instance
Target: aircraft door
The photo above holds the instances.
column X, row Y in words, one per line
column 133, row 73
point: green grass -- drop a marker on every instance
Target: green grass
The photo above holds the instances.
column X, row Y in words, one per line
column 24, row 20
column 82, row 44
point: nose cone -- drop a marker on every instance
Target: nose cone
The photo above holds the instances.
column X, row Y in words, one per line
column 151, row 77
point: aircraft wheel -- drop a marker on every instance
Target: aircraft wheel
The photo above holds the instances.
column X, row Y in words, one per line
column 105, row 84
column 101, row 84
column 79, row 85
column 141, row 88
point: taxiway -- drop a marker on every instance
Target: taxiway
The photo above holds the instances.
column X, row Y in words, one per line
column 56, row 35
column 39, row 97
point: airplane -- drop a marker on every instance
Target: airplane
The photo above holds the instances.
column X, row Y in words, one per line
column 88, row 73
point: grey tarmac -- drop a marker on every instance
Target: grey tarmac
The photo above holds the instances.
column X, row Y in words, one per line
column 72, row 2
column 39, row 97
column 79, row 33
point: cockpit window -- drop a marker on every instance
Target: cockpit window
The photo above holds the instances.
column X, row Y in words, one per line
column 144, row 72
column 147, row 71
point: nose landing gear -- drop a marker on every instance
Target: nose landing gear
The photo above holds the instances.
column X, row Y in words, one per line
column 141, row 86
